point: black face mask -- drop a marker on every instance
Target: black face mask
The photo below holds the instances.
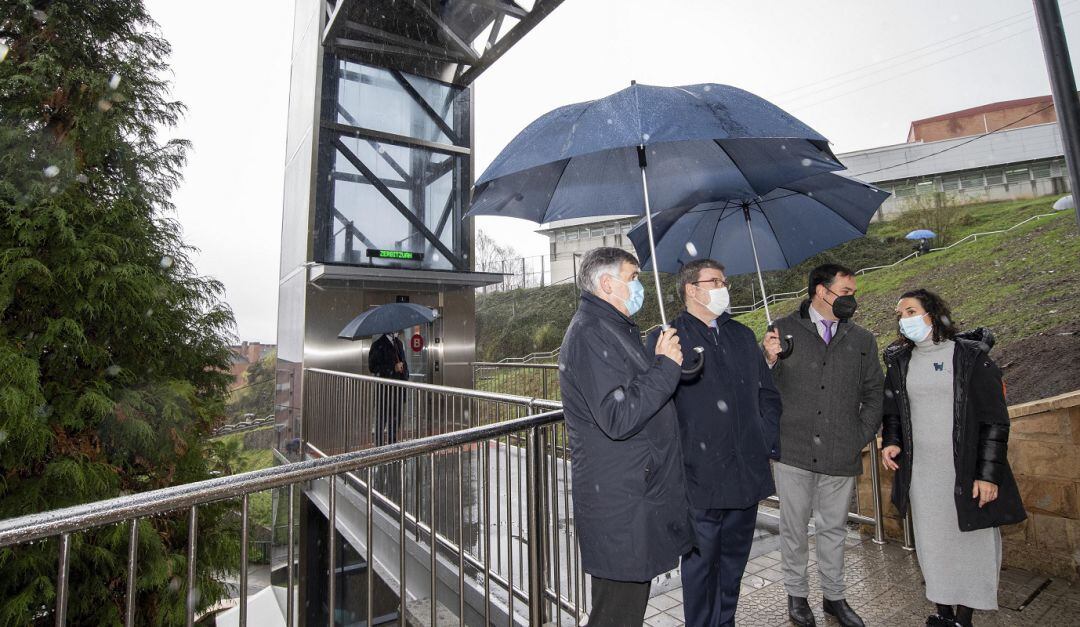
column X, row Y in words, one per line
column 843, row 307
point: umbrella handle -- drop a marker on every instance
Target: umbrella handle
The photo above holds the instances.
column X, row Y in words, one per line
column 692, row 371
column 787, row 341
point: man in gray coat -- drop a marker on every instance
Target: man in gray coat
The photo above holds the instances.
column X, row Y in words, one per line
column 831, row 387
column 630, row 506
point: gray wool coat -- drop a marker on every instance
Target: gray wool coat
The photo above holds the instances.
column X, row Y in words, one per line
column 832, row 396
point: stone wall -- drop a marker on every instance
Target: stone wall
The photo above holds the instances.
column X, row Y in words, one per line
column 1044, row 452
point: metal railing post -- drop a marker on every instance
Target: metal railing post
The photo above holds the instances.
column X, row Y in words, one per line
column 909, row 535
column 193, row 534
column 290, row 607
column 534, row 487
column 133, row 557
column 331, row 546
column 875, row 484
column 243, row 559
column 62, row 580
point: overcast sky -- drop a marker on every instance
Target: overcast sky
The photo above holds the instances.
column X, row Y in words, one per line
column 856, row 71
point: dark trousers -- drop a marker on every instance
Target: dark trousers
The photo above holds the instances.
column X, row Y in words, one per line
column 618, row 603
column 713, row 569
column 388, row 415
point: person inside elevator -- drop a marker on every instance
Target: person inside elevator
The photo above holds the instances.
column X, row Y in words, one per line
column 386, row 360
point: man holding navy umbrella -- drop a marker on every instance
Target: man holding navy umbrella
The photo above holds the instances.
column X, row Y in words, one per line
column 729, row 421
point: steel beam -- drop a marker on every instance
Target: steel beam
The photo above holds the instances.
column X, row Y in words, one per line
column 397, row 204
column 540, row 10
column 1063, row 86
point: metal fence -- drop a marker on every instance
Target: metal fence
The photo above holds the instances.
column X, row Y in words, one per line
column 519, row 273
column 488, row 506
column 542, row 381
column 536, row 380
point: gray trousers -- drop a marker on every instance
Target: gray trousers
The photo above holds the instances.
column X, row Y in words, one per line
column 800, row 492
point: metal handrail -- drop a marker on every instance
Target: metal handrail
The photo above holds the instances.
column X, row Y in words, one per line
column 975, row 236
column 499, row 364
column 70, row 519
column 445, row 389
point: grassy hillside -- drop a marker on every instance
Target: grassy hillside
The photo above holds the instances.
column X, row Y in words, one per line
column 1025, row 285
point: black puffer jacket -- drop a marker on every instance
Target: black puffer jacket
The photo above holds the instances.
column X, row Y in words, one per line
column 980, row 431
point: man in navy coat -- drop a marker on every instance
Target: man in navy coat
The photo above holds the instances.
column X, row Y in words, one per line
column 729, row 423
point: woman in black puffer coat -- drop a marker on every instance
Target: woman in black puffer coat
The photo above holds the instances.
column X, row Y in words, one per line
column 945, row 433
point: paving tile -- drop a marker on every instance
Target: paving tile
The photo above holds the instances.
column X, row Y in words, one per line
column 772, row 574
column 662, row 602
column 885, row 586
column 664, row 620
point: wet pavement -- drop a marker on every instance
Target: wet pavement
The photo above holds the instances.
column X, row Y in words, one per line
column 885, row 587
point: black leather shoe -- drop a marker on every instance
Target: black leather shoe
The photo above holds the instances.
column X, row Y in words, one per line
column 842, row 612
column 937, row 620
column 799, row 612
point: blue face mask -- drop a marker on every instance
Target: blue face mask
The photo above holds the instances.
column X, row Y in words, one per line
column 637, row 295
column 915, row 328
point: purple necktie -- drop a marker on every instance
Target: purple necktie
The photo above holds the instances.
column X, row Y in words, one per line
column 827, row 335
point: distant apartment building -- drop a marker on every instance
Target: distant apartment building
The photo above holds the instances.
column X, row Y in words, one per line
column 244, row 355
column 1020, row 156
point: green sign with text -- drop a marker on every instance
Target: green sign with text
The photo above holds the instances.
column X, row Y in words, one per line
column 395, row 254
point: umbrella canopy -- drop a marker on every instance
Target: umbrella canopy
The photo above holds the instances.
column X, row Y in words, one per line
column 386, row 319
column 701, row 143
column 1063, row 203
column 789, row 224
column 921, row 234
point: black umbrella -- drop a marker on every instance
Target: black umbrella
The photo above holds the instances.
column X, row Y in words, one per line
column 776, row 231
column 698, row 143
column 387, row 318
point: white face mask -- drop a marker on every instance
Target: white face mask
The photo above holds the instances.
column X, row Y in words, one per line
column 719, row 299
column 915, row 328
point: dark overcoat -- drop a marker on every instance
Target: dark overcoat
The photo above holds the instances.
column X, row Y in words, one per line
column 729, row 415
column 630, row 506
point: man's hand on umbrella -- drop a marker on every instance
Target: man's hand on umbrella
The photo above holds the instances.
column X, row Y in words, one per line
column 771, row 344
column 668, row 345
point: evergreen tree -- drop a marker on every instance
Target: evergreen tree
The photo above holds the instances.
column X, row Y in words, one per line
column 113, row 351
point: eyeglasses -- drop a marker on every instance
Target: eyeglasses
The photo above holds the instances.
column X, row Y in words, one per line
column 716, row 283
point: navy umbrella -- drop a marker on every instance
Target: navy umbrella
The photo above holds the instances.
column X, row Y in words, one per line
column 386, row 319
column 774, row 232
column 697, row 143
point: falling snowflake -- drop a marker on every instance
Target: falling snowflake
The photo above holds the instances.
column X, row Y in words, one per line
column 619, row 395
column 690, row 248
column 166, row 262
column 4, row 50
column 113, row 370
column 114, row 82
column 51, row 171
column 806, row 162
column 721, row 405
column 645, row 137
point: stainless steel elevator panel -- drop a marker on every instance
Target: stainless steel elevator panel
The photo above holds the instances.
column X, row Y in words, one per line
column 448, row 342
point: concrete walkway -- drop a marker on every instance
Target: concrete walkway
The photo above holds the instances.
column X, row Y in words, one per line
column 884, row 586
